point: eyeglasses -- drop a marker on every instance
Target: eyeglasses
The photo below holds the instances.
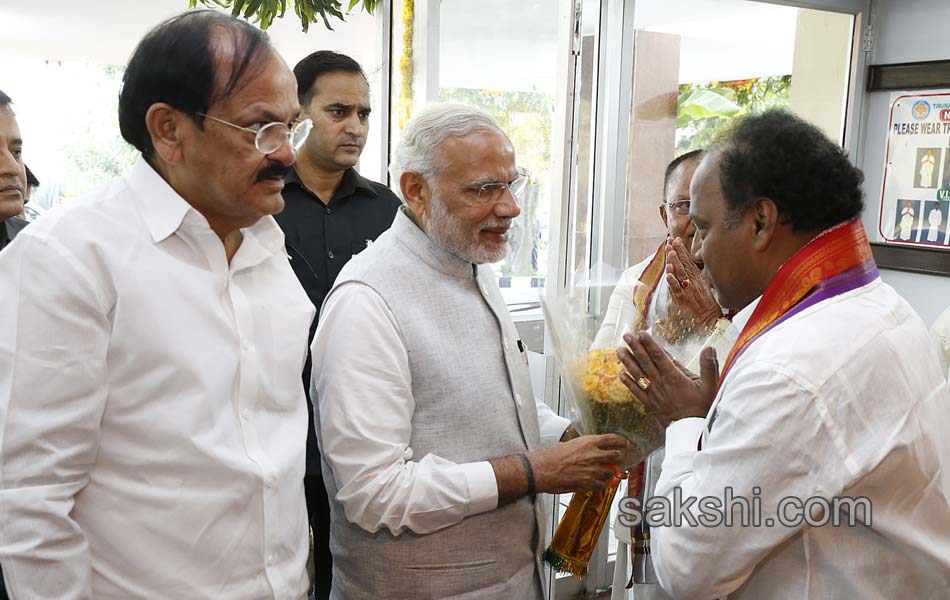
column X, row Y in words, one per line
column 680, row 207
column 270, row 137
column 490, row 193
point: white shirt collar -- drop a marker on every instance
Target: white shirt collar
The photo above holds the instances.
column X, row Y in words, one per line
column 164, row 211
column 742, row 317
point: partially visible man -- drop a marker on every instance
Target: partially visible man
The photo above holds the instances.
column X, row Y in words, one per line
column 666, row 290
column 11, row 185
column 12, row 192
column 151, row 342
column 430, row 435
column 830, row 393
column 331, row 213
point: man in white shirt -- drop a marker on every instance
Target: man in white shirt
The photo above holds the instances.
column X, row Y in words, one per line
column 429, row 432
column 667, row 294
column 829, row 394
column 152, row 336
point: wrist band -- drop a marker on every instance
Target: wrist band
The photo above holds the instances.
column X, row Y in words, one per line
column 529, row 473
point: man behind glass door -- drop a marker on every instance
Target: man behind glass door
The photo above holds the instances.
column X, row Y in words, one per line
column 331, row 213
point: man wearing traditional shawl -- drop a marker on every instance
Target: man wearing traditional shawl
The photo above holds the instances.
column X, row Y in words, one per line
column 668, row 293
column 819, row 399
column 666, row 289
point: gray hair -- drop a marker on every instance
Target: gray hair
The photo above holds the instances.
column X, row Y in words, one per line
column 417, row 151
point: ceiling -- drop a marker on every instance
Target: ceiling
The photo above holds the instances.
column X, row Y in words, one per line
column 490, row 44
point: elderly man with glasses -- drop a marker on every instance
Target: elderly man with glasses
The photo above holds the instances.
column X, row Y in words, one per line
column 152, row 417
column 434, row 450
column 666, row 291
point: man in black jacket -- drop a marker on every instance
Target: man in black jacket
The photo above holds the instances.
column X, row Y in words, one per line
column 331, row 213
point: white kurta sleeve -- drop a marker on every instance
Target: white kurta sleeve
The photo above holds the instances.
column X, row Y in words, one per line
column 768, row 441
column 361, row 386
column 551, row 425
column 54, row 335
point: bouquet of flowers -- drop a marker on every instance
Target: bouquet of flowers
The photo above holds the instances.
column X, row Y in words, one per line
column 601, row 404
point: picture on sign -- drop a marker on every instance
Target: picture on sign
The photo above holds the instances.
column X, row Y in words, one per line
column 915, row 199
column 905, row 222
column 934, row 222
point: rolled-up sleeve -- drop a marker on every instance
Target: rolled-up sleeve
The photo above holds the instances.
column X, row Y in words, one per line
column 362, row 390
column 54, row 335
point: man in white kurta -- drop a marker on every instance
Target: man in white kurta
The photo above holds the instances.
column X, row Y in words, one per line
column 152, row 419
column 935, row 219
column 432, row 443
column 665, row 291
column 927, row 164
column 830, row 393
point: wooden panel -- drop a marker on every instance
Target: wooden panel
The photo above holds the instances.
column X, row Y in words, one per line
column 914, row 260
column 909, row 76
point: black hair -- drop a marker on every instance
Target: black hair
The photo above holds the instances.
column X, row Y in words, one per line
column 320, row 63
column 780, row 156
column 31, row 179
column 175, row 63
column 696, row 155
column 4, row 99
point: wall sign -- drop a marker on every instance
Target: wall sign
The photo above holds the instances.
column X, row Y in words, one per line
column 915, row 199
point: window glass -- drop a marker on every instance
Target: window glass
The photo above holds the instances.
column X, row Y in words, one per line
column 506, row 67
column 64, row 70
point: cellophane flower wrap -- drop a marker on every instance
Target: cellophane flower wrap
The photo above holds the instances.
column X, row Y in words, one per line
column 601, row 403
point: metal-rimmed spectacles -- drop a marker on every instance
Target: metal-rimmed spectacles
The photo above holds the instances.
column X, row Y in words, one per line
column 270, row 137
column 679, row 207
column 492, row 192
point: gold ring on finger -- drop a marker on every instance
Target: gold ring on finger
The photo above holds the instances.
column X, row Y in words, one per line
column 644, row 383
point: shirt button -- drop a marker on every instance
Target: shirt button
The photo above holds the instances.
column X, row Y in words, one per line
column 518, row 399
column 270, row 559
column 328, row 210
column 505, row 344
column 330, row 254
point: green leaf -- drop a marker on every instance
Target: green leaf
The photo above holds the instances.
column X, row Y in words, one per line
column 264, row 12
column 704, row 104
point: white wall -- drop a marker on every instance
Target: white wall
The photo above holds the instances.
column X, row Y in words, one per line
column 904, row 31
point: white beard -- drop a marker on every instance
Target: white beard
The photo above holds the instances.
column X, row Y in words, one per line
column 460, row 238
